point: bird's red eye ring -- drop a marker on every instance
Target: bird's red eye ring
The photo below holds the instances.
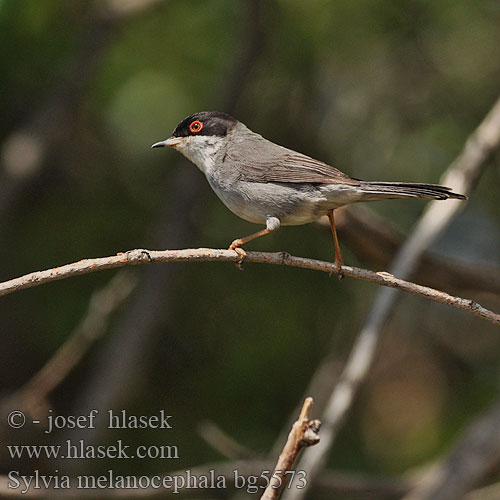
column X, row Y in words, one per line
column 195, row 126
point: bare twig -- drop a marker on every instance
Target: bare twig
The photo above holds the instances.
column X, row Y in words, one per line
column 476, row 453
column 102, row 304
column 461, row 176
column 304, row 433
column 141, row 256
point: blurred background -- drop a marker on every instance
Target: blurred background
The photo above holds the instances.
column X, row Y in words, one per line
column 382, row 90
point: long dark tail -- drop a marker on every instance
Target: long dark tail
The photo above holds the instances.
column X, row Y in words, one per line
column 381, row 190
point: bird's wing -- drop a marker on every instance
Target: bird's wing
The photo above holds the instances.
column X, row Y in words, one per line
column 263, row 161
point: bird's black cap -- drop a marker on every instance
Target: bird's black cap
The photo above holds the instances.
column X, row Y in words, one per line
column 213, row 123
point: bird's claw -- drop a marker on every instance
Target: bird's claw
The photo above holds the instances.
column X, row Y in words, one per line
column 337, row 269
column 236, row 246
column 284, row 257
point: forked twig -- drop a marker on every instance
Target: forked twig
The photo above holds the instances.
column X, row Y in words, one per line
column 304, row 433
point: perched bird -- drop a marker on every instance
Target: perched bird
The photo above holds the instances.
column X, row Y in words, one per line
column 269, row 184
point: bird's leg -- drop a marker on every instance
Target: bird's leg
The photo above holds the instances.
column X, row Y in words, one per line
column 272, row 223
column 338, row 262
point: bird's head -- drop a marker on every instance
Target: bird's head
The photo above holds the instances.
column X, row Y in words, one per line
column 199, row 135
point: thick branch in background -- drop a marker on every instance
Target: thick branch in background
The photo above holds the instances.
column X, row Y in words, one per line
column 375, row 241
column 461, row 177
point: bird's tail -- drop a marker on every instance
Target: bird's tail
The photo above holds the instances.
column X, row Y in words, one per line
column 373, row 191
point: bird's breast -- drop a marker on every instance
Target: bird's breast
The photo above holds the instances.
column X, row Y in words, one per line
column 255, row 202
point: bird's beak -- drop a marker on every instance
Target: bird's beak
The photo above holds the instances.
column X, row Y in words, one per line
column 171, row 142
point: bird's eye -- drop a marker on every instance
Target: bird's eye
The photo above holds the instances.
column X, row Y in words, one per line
column 195, row 126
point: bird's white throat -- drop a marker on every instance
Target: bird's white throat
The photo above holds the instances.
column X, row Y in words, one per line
column 201, row 150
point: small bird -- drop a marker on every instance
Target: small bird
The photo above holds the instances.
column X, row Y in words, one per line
column 269, row 184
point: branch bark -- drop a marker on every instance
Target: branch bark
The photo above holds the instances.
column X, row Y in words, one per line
column 141, row 256
column 304, row 433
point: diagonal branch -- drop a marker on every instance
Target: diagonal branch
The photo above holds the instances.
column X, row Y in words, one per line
column 32, row 395
column 141, row 256
column 461, row 176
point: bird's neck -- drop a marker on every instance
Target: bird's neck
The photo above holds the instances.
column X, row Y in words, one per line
column 204, row 153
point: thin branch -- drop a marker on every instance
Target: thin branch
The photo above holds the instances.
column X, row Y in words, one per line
column 461, row 177
column 141, row 256
column 304, row 433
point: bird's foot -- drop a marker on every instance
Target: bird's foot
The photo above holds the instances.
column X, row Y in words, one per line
column 337, row 269
column 236, row 246
column 284, row 257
